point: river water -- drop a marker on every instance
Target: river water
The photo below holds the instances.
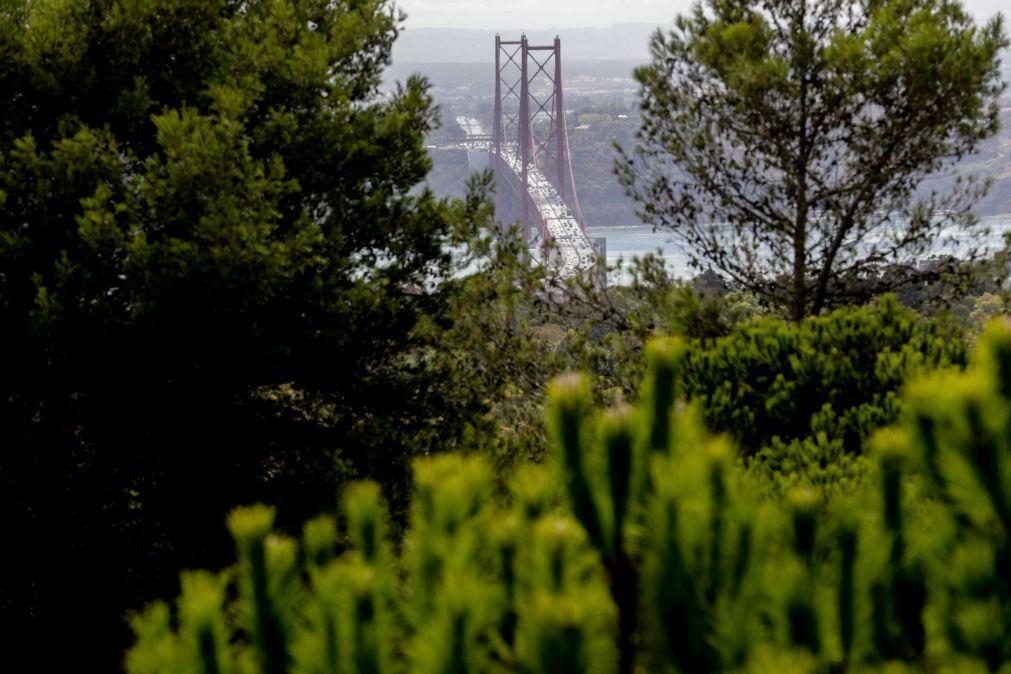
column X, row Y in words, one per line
column 627, row 241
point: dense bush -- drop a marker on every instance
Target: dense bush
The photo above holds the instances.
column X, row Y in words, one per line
column 641, row 546
column 802, row 398
column 605, row 327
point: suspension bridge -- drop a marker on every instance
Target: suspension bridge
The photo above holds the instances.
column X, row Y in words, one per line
column 528, row 151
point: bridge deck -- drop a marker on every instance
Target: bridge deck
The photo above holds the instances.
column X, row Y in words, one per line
column 575, row 249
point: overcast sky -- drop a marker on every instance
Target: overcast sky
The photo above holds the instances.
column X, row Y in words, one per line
column 538, row 14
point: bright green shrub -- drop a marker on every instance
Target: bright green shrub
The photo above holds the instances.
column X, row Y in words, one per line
column 642, row 546
column 958, row 431
column 802, row 398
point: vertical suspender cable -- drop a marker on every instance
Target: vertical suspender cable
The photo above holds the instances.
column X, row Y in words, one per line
column 572, row 178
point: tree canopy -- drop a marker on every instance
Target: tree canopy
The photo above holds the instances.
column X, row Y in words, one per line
column 784, row 140
column 219, row 282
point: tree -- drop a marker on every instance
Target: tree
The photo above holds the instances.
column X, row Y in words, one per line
column 783, row 141
column 219, row 283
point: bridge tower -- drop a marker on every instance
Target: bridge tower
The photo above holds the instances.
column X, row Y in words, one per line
column 529, row 115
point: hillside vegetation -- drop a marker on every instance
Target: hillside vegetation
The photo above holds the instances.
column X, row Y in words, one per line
column 641, row 544
column 280, row 394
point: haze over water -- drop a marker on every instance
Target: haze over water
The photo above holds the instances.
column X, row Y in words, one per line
column 627, row 241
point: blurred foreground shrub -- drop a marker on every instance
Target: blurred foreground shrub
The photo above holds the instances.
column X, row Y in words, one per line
column 641, row 547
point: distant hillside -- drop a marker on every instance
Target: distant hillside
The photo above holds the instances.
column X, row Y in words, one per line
column 466, row 84
column 602, row 100
column 625, row 42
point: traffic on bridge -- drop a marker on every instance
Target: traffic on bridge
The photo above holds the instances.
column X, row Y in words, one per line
column 560, row 224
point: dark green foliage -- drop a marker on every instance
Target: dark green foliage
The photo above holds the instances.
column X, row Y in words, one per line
column 803, row 398
column 846, row 608
column 568, row 412
column 219, row 283
column 689, row 571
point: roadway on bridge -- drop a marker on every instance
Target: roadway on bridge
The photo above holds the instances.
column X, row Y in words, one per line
column 575, row 249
